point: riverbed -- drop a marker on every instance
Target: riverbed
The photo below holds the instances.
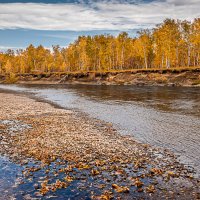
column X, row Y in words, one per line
column 162, row 116
column 25, row 127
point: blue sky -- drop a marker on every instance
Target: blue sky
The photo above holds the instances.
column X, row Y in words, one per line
column 50, row 22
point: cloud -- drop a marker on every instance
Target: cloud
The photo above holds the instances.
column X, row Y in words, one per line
column 95, row 15
column 5, row 48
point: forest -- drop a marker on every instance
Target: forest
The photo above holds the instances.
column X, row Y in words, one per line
column 173, row 43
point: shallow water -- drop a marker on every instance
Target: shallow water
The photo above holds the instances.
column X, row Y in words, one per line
column 162, row 116
column 14, row 185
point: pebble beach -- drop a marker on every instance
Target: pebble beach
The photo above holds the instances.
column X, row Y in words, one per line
column 67, row 154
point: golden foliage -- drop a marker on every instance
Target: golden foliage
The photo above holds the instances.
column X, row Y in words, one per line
column 171, row 44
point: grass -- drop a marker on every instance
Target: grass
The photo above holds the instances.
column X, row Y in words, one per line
column 150, row 70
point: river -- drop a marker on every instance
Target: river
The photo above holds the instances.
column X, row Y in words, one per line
column 167, row 117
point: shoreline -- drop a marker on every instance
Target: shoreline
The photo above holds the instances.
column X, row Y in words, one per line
column 172, row 78
column 97, row 83
column 125, row 166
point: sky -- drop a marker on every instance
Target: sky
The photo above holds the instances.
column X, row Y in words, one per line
column 59, row 22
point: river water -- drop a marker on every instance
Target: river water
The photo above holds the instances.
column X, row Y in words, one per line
column 166, row 117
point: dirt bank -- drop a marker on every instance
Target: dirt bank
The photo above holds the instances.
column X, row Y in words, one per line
column 169, row 77
column 72, row 152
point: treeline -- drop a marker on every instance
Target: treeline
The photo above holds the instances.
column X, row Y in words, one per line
column 173, row 43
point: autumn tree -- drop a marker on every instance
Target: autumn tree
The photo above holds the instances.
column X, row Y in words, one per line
column 173, row 43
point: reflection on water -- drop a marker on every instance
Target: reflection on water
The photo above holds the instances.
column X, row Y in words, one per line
column 171, row 99
column 162, row 116
column 9, row 173
column 15, row 185
column 184, row 100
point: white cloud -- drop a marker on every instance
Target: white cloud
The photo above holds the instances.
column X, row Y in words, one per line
column 104, row 15
column 10, row 47
column 5, row 48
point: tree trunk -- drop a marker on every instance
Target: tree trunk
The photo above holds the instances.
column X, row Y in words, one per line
column 145, row 58
column 189, row 52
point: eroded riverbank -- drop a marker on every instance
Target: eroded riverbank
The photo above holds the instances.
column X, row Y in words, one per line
column 67, row 154
column 188, row 77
